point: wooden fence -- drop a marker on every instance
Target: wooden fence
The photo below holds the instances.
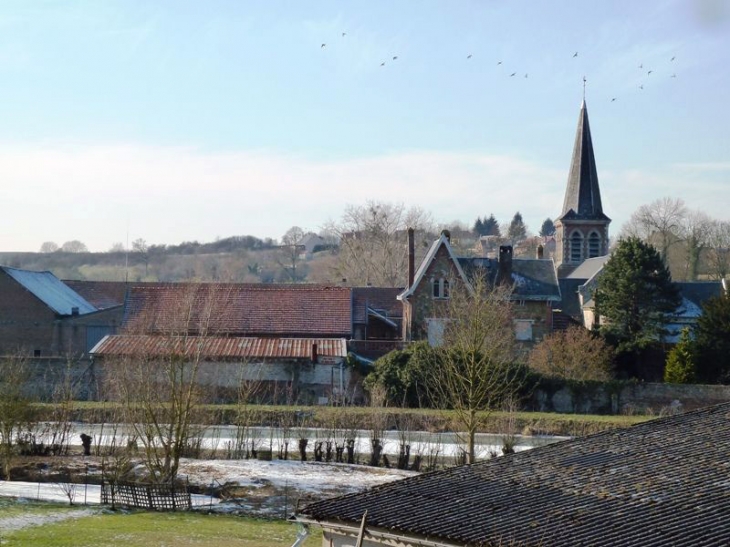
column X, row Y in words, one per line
column 158, row 497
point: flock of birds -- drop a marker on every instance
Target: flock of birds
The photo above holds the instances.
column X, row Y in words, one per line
column 648, row 71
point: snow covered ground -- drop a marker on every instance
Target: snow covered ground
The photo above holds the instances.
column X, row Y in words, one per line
column 266, row 488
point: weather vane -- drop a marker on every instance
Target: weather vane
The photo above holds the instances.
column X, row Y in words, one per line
column 584, row 88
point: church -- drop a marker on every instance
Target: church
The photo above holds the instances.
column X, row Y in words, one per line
column 545, row 291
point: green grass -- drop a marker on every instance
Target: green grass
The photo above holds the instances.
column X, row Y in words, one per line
column 143, row 529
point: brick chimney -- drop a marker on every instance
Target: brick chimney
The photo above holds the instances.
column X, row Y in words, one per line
column 540, row 252
column 505, row 264
column 411, row 256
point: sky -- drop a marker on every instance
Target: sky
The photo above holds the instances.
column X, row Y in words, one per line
column 181, row 120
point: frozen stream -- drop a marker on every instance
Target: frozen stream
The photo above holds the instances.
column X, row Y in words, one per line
column 224, row 438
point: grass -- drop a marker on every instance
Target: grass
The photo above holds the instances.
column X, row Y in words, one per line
column 142, row 529
column 549, row 423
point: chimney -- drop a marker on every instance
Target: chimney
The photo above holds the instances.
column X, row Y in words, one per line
column 505, row 264
column 75, row 310
column 447, row 235
column 540, row 252
column 314, row 353
column 411, row 257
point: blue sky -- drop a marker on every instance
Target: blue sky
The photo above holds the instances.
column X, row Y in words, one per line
column 180, row 120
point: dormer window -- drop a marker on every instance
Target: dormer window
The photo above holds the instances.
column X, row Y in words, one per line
column 440, row 288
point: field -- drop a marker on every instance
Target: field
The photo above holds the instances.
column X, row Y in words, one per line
column 51, row 525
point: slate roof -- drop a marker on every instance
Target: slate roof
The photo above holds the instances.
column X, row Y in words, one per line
column 663, row 482
column 51, row 291
column 216, row 347
column 100, row 294
column 533, row 278
column 588, row 268
column 240, row 309
column 699, row 291
column 583, row 195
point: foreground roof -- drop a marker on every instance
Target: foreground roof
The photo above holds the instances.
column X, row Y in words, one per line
column 51, row 291
column 214, row 347
column 663, row 482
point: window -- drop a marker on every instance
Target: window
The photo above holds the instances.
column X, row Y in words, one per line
column 36, row 353
column 576, row 247
column 440, row 288
column 594, row 245
column 523, row 329
column 436, row 328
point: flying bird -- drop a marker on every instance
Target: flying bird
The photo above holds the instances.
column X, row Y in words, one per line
column 344, row 34
column 672, row 59
column 575, row 54
column 641, row 65
column 673, row 76
column 613, row 99
column 468, row 56
column 499, row 62
column 525, row 74
column 512, row 74
column 395, row 57
column 323, row 45
column 382, row 64
column 649, row 72
column 641, row 86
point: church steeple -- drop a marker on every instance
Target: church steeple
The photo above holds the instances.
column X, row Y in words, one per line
column 583, row 196
column 582, row 227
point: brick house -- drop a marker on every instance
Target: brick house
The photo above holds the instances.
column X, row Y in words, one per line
column 533, row 281
column 662, row 482
column 42, row 317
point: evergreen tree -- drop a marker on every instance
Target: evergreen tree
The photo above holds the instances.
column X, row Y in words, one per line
column 635, row 296
column 478, row 227
column 517, row 229
column 491, row 226
column 547, row 228
column 712, row 339
column 680, row 367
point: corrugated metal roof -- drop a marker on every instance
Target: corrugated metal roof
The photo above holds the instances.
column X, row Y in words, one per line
column 219, row 347
column 51, row 291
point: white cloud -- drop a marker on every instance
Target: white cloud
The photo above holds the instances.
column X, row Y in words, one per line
column 169, row 194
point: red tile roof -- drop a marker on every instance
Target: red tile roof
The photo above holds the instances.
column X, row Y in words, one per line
column 216, row 347
column 240, row 309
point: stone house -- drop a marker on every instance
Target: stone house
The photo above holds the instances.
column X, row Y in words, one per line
column 662, row 482
column 425, row 301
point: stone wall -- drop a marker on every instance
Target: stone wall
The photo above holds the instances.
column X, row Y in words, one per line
column 639, row 398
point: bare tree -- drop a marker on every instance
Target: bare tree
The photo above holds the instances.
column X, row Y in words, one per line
column 160, row 386
column 695, row 231
column 74, row 246
column 719, row 249
column 117, row 247
column 16, row 407
column 658, row 223
column 574, row 354
column 49, row 247
column 142, row 250
column 291, row 247
column 474, row 370
column 372, row 240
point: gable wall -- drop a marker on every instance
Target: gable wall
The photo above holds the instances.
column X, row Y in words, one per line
column 421, row 303
column 26, row 323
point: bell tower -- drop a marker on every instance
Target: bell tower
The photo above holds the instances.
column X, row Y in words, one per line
column 581, row 231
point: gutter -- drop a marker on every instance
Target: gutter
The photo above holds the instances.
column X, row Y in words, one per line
column 376, row 533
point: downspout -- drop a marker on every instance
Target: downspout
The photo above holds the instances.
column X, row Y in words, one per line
column 302, row 534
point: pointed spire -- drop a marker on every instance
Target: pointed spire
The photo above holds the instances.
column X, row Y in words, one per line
column 583, row 196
